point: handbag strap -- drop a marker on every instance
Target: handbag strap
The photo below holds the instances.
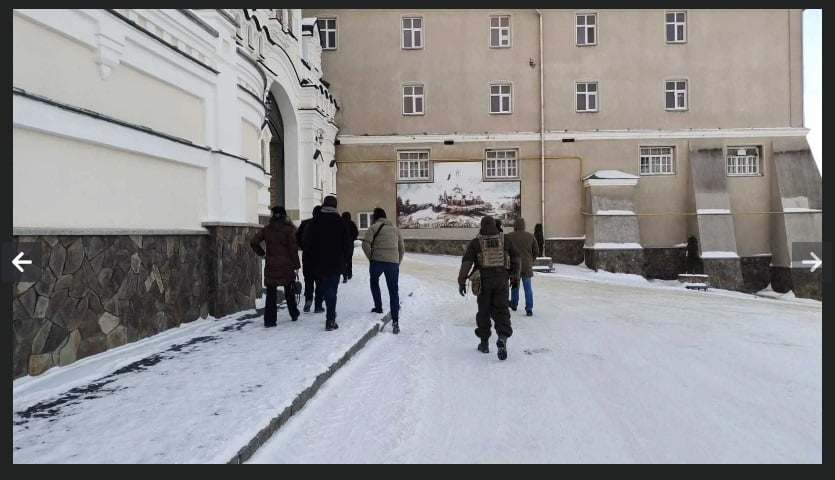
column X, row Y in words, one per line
column 377, row 233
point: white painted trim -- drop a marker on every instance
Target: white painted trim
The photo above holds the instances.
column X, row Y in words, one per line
column 34, row 115
column 576, row 135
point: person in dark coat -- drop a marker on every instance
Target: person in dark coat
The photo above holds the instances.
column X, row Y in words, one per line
column 312, row 289
column 528, row 248
column 354, row 231
column 329, row 242
column 282, row 263
column 497, row 262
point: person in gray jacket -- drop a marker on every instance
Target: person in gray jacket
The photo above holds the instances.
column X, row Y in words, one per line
column 384, row 248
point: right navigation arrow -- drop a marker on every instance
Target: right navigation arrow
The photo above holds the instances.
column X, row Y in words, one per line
column 816, row 263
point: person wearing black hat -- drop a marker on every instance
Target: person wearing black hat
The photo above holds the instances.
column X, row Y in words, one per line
column 329, row 242
column 282, row 263
column 312, row 289
column 495, row 262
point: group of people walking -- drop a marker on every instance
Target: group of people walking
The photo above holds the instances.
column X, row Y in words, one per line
column 494, row 262
column 327, row 244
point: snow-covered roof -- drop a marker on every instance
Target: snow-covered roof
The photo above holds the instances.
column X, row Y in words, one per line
column 609, row 174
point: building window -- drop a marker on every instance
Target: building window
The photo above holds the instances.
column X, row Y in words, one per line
column 412, row 32
column 412, row 99
column 499, row 31
column 676, row 27
column 327, row 33
column 586, row 96
column 676, row 94
column 743, row 161
column 586, row 29
column 364, row 220
column 657, row 161
column 413, row 165
column 501, row 164
column 500, row 98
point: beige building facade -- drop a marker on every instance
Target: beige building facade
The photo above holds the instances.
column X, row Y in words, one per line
column 622, row 132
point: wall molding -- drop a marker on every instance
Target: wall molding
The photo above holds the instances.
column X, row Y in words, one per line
column 576, row 136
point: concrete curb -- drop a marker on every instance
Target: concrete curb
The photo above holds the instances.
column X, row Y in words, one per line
column 299, row 402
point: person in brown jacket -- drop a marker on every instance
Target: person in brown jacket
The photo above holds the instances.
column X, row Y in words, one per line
column 528, row 248
column 282, row 263
column 497, row 262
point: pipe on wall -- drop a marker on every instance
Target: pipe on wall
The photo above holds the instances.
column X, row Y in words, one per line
column 541, row 129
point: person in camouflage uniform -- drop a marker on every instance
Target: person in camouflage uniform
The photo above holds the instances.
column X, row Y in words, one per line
column 496, row 261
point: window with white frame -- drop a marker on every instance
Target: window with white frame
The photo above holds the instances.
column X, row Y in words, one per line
column 327, row 33
column 743, row 161
column 364, row 220
column 412, row 32
column 586, row 29
column 657, row 161
column 500, row 95
column 676, row 27
column 586, row 96
column 501, row 164
column 413, row 165
column 499, row 31
column 676, row 94
column 413, row 99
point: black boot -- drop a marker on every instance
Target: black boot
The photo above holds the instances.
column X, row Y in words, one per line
column 395, row 327
column 483, row 347
column 307, row 304
column 318, row 309
column 501, row 344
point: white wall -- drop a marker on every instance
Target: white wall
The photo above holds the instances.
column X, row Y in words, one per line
column 86, row 185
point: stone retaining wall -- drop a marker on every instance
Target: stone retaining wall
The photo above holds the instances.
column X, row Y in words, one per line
column 95, row 292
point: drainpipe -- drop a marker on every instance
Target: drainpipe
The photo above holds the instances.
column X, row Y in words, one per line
column 541, row 128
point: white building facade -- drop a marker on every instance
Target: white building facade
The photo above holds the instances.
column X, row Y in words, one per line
column 148, row 146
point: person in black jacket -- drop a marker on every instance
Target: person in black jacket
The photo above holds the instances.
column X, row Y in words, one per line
column 311, row 285
column 329, row 243
column 282, row 262
column 354, row 231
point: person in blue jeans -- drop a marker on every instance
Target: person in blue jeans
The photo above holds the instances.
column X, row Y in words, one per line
column 384, row 248
column 528, row 248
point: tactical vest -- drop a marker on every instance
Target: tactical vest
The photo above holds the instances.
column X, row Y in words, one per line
column 492, row 251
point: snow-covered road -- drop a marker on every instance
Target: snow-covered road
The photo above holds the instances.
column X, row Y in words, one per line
column 603, row 372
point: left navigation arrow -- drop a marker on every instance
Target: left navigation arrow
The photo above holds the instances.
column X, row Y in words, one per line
column 18, row 261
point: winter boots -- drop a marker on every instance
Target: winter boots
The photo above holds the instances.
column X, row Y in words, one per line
column 501, row 344
column 318, row 309
column 483, row 346
column 307, row 304
column 395, row 326
column 377, row 310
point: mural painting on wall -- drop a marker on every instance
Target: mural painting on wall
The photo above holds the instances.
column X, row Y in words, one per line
column 457, row 198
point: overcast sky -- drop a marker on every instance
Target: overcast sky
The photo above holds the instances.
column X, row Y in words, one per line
column 813, row 99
